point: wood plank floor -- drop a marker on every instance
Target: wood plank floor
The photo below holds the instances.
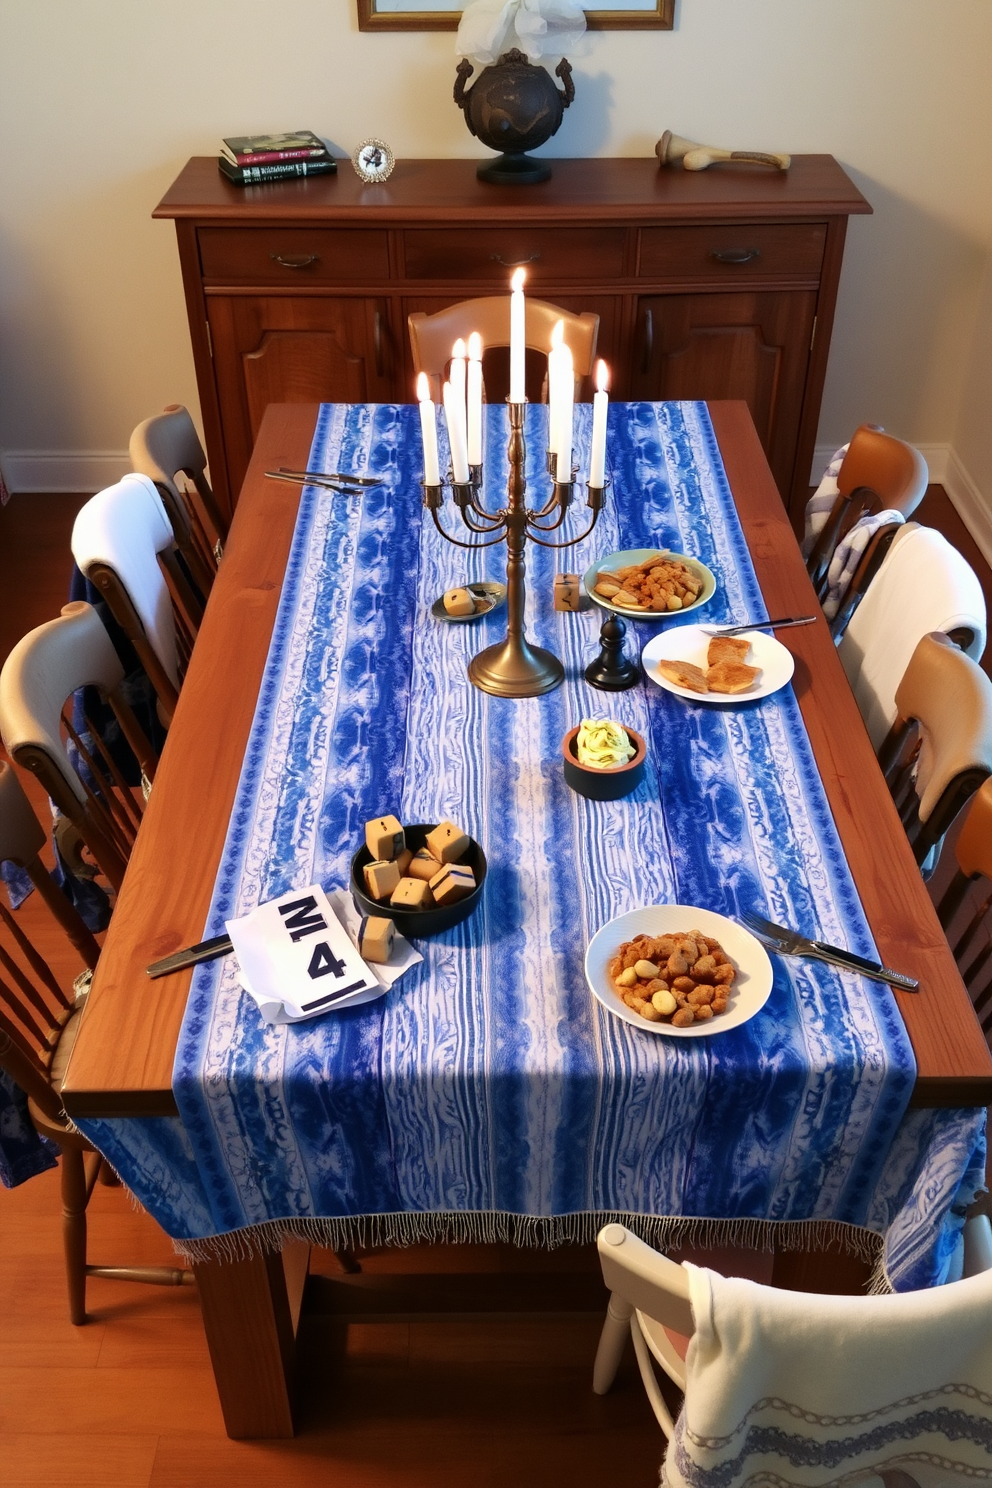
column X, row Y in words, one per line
column 129, row 1399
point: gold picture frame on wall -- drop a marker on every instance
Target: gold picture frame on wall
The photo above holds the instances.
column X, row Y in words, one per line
column 444, row 15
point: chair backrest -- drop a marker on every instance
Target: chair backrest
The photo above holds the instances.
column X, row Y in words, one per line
column 777, row 1378
column 878, row 473
column 432, row 336
column 972, row 943
column 168, row 445
column 116, row 540
column 923, row 585
column 22, row 838
column 34, row 1009
column 939, row 750
column 42, row 672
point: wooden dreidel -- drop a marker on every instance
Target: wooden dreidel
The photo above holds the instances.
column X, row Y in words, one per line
column 454, row 882
column 612, row 671
column 411, row 893
column 384, row 838
column 381, row 879
column 375, row 939
column 447, row 843
column 567, row 592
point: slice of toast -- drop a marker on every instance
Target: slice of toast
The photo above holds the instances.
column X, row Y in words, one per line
column 685, row 674
column 727, row 648
column 732, row 676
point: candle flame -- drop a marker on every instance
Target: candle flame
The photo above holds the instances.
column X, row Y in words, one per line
column 558, row 334
column 458, row 350
column 602, row 377
column 475, row 347
column 423, row 388
column 517, row 280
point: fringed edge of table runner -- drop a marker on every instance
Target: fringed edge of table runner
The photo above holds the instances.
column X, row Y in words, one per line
column 375, row 1231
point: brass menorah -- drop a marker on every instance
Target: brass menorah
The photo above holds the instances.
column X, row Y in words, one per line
column 513, row 667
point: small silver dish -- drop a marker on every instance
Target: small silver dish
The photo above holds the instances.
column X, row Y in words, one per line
column 488, row 597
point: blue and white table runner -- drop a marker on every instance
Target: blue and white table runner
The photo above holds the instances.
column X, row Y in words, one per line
column 488, row 1095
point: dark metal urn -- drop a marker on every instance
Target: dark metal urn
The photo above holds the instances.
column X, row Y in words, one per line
column 514, row 106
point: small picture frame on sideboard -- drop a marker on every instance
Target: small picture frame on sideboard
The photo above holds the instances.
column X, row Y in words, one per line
column 444, row 15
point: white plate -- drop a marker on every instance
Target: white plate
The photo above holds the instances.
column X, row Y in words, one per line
column 690, row 643
column 754, row 970
column 640, row 555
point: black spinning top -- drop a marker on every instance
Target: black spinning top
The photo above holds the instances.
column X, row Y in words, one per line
column 612, row 671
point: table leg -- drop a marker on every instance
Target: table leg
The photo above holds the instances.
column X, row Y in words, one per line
column 250, row 1311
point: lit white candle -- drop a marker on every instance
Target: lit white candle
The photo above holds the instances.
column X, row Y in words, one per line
column 456, row 374
column 455, row 419
column 518, row 337
column 428, row 429
column 600, row 403
column 475, row 399
column 564, row 470
column 554, row 385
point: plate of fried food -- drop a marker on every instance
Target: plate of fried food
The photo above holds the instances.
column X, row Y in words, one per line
column 717, row 668
column 679, row 971
column 649, row 583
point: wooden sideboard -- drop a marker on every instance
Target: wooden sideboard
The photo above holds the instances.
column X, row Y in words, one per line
column 714, row 284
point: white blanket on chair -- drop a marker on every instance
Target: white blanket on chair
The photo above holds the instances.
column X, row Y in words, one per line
column 788, row 1388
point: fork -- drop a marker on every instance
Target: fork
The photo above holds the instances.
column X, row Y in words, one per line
column 732, row 630
column 788, row 942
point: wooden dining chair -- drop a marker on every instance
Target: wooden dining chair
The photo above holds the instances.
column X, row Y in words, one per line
column 167, row 448
column 939, row 750
column 123, row 543
column 650, row 1303
column 972, row 943
column 39, row 1020
column 38, row 684
column 432, row 336
column 878, row 473
column 923, row 585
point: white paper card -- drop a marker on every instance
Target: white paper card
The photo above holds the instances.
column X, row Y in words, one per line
column 297, row 960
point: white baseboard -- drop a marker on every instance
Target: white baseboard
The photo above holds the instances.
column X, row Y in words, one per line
column 947, row 470
column 33, row 472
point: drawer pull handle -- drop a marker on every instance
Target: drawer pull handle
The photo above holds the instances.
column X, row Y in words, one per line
column 648, row 340
column 299, row 261
column 735, row 255
column 377, row 341
column 513, row 263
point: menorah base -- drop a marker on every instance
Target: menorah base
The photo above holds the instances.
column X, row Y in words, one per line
column 515, row 670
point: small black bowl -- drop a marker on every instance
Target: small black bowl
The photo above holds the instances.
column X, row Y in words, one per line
column 599, row 784
column 419, row 923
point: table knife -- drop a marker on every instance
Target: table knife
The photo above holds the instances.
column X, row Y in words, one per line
column 791, row 943
column 205, row 950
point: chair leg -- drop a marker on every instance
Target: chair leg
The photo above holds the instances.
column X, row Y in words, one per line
column 74, row 1196
column 612, row 1342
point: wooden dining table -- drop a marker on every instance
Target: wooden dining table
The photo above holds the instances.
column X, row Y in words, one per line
column 122, row 1062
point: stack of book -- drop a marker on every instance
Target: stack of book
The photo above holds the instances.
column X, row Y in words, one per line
column 250, row 159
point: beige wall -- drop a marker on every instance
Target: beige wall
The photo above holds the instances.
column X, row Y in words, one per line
column 101, row 101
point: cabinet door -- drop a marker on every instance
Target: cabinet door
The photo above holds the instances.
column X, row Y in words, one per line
column 753, row 346
column 288, row 350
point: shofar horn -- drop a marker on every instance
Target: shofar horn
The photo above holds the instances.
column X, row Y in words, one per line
column 672, row 149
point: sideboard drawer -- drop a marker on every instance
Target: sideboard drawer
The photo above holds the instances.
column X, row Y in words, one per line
column 732, row 252
column 292, row 256
column 487, row 253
